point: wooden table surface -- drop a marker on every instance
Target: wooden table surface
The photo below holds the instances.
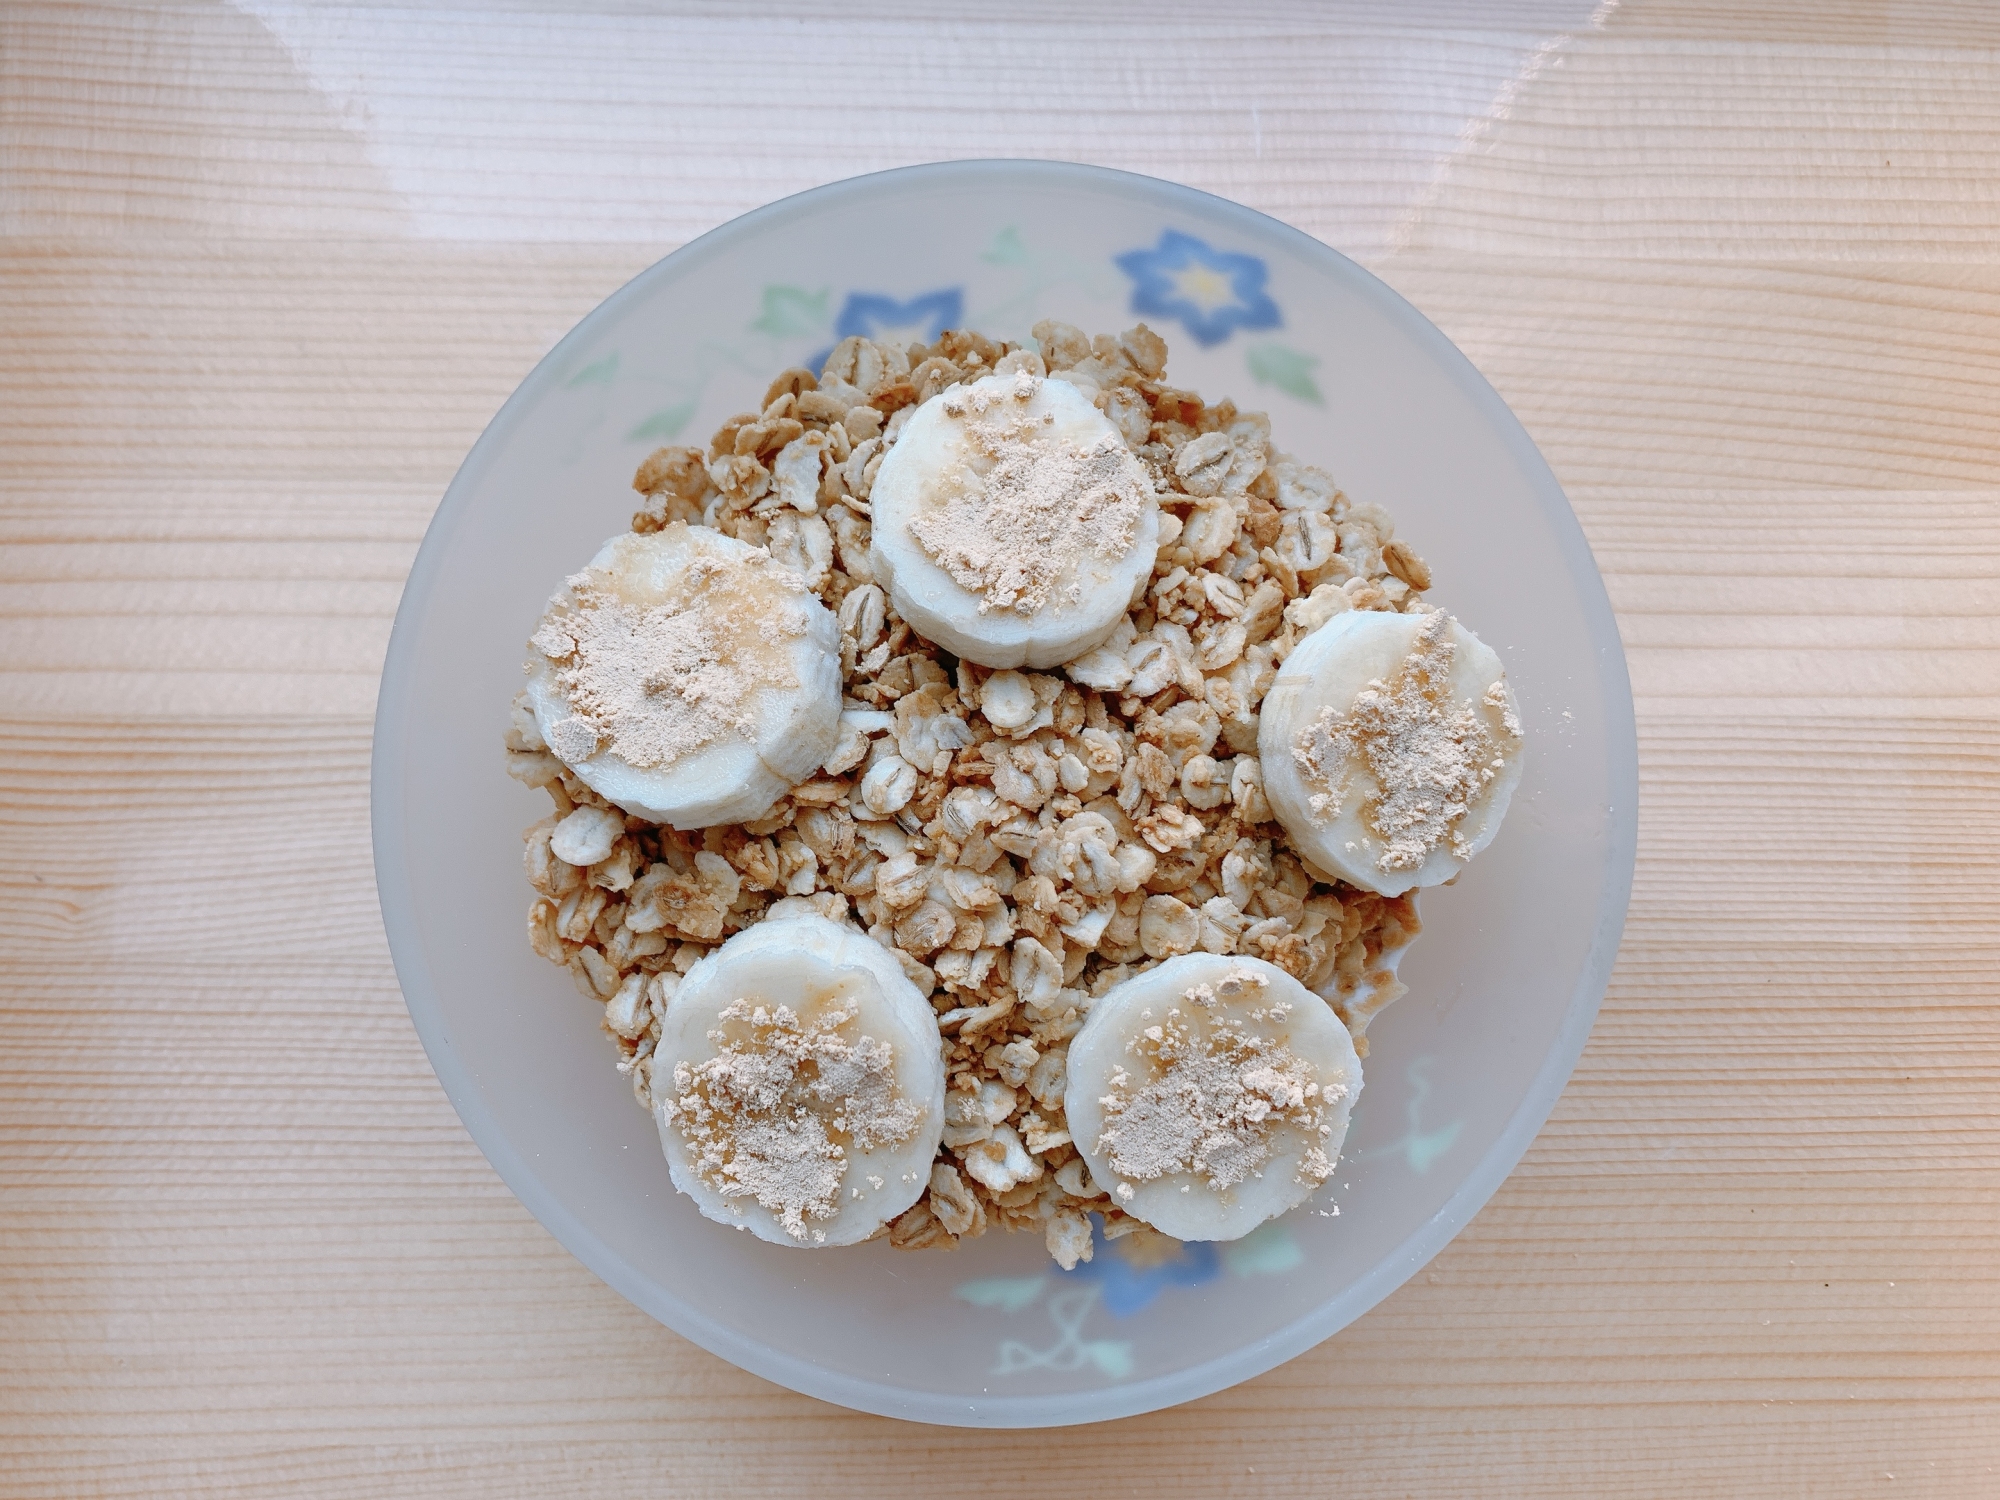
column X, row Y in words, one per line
column 267, row 270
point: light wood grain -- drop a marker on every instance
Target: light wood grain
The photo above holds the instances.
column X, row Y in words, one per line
column 262, row 281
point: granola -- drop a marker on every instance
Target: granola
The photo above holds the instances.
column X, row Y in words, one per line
column 1020, row 841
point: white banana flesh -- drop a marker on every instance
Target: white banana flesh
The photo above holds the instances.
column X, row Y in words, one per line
column 687, row 677
column 1210, row 1094
column 799, row 1084
column 1012, row 523
column 1390, row 748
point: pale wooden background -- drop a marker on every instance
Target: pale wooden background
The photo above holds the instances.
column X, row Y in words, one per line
column 268, row 269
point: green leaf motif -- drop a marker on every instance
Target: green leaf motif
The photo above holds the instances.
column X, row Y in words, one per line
column 1006, row 249
column 1267, row 1250
column 1421, row 1150
column 1114, row 1359
column 1287, row 369
column 600, row 372
column 1008, row 1293
column 663, row 424
column 792, row 312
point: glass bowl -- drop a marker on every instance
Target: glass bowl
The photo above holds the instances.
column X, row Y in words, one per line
column 1504, row 983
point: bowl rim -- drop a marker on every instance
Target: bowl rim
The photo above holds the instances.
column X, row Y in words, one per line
column 1481, row 1180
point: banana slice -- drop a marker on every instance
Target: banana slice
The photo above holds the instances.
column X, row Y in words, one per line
column 1390, row 748
column 1012, row 523
column 687, row 677
column 1210, row 1094
column 799, row 1081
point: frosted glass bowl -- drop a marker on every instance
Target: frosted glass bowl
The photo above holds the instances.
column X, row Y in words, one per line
column 1504, row 982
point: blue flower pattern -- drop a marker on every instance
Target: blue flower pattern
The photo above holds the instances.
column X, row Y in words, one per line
column 923, row 318
column 873, row 315
column 1122, row 1285
column 1211, row 292
column 1128, row 1288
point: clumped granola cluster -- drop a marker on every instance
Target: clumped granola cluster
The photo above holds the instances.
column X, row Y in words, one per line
column 1020, row 841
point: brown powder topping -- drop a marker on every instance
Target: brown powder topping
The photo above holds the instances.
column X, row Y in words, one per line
column 663, row 673
column 1217, row 1097
column 773, row 1114
column 1031, row 503
column 1430, row 757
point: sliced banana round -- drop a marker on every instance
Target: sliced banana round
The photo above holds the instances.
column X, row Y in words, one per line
column 799, row 1084
column 1210, row 1094
column 1012, row 524
column 1390, row 748
column 687, row 677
